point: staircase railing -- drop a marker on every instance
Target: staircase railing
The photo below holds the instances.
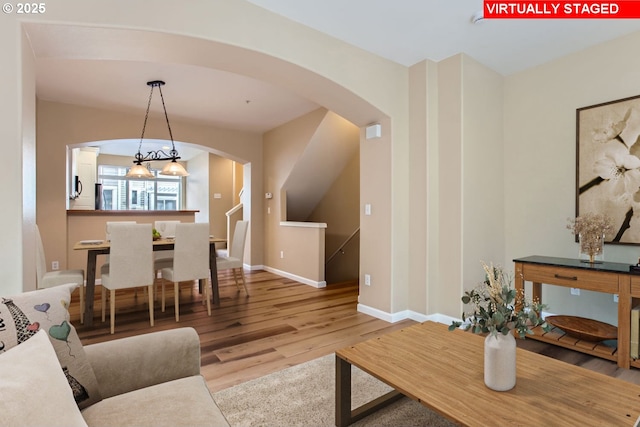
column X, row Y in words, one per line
column 234, row 214
column 340, row 249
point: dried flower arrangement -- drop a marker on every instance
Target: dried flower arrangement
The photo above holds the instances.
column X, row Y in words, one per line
column 592, row 229
column 497, row 307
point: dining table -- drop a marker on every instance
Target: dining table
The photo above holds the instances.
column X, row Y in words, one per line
column 102, row 247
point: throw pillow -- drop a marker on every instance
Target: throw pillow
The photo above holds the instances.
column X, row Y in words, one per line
column 21, row 316
column 35, row 392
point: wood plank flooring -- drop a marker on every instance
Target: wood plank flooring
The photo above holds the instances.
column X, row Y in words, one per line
column 282, row 323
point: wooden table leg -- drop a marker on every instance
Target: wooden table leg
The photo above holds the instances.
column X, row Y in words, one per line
column 536, row 291
column 343, row 392
column 344, row 414
column 213, row 266
column 91, row 286
column 624, row 320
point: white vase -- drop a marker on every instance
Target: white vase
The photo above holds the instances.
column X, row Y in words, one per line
column 500, row 362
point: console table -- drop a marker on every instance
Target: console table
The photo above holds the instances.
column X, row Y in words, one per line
column 607, row 277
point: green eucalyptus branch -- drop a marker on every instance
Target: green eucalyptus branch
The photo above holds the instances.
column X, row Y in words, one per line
column 498, row 308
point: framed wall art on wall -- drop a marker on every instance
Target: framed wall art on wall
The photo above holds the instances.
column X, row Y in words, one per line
column 608, row 165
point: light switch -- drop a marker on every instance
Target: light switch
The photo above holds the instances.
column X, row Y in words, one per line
column 367, row 209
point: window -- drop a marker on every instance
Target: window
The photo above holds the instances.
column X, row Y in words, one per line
column 164, row 193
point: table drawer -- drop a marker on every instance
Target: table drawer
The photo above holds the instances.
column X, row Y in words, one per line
column 572, row 277
column 635, row 286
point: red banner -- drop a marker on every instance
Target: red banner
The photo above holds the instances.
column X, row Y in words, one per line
column 625, row 9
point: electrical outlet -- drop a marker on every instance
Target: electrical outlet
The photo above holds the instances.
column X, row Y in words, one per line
column 55, row 265
column 575, row 291
column 367, row 279
column 281, row 254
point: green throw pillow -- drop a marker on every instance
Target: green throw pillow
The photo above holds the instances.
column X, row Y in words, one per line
column 21, row 316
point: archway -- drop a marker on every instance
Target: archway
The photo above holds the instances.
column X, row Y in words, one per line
column 124, row 44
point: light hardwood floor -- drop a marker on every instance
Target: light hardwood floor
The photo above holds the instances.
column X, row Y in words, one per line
column 282, row 323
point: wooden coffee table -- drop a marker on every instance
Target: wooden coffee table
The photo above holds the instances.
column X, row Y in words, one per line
column 444, row 371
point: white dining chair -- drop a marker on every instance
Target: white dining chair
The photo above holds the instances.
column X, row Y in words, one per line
column 110, row 224
column 48, row 279
column 130, row 266
column 190, row 261
column 164, row 259
column 235, row 260
column 107, row 229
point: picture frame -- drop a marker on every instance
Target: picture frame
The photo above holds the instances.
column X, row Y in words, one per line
column 608, row 165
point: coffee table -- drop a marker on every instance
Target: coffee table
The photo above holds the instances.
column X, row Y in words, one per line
column 444, row 371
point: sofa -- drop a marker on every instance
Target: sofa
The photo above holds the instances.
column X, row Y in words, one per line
column 151, row 380
column 145, row 380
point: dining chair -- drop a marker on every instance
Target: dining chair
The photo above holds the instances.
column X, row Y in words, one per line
column 235, row 260
column 190, row 261
column 107, row 228
column 130, row 265
column 164, row 259
column 110, row 224
column 48, row 279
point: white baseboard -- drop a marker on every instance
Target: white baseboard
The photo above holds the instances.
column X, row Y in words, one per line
column 300, row 279
column 403, row 315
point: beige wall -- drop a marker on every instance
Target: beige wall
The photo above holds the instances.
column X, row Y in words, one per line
column 282, row 147
column 340, row 206
column 457, row 181
column 423, row 96
column 221, row 181
column 238, row 182
column 450, row 191
column 198, row 187
column 340, row 210
column 540, row 156
column 483, row 178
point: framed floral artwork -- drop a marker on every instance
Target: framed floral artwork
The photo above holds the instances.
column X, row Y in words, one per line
column 608, row 166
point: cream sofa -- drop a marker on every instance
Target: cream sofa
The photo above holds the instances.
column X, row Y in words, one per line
column 49, row 378
column 151, row 380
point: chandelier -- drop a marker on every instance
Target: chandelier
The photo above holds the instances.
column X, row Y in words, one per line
column 172, row 168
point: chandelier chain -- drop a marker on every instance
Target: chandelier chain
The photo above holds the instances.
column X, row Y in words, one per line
column 166, row 117
column 146, row 116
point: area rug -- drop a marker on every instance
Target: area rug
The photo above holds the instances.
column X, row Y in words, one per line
column 303, row 395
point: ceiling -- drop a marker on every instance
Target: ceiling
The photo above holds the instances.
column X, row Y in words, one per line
column 409, row 31
column 405, row 32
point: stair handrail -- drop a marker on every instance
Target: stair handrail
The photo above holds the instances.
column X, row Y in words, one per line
column 340, row 249
column 230, row 226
